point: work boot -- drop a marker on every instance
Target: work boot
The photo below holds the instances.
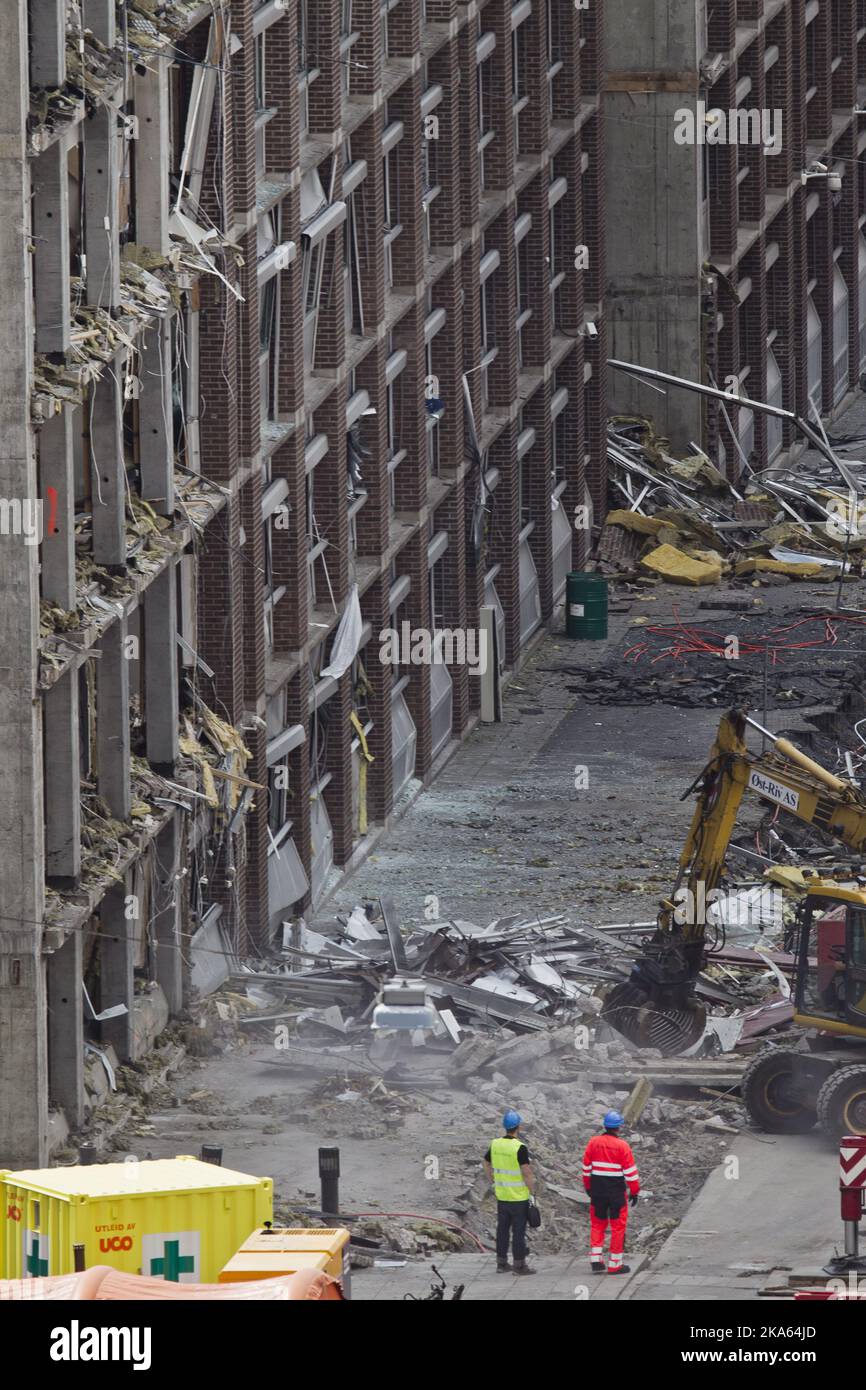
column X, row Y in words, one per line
column 621, row 1269
column 597, row 1267
column 521, row 1267
column 503, row 1267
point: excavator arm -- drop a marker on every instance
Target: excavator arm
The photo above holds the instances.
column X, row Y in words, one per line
column 657, row 1006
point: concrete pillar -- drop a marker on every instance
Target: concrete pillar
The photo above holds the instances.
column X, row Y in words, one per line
column 48, row 43
column 23, row 1032
column 56, row 471
column 151, row 159
column 166, row 917
column 51, row 242
column 653, row 279
column 63, row 806
column 117, row 970
column 66, row 1029
column 160, row 670
column 100, row 194
column 112, row 721
column 156, row 428
column 107, row 470
column 99, row 18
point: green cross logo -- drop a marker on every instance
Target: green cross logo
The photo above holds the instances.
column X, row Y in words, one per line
column 35, row 1266
column 171, row 1264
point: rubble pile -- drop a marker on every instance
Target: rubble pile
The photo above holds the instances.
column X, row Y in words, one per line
column 512, row 999
column 681, row 520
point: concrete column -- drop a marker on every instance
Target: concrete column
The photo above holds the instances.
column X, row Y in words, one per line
column 66, row 1030
column 151, row 159
column 48, row 43
column 107, row 480
column 63, row 805
column 99, row 18
column 51, row 242
column 100, row 194
column 653, row 184
column 23, row 1031
column 160, row 670
column 56, row 471
column 166, row 919
column 156, row 428
column 117, row 970
column 112, row 721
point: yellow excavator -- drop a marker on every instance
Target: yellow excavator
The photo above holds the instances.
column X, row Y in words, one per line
column 785, row 1088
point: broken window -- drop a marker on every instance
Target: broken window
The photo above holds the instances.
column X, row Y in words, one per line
column 394, row 367
column 488, row 266
column 519, row 94
column 403, row 738
column 558, row 253
column 269, row 311
column 524, row 309
column 554, row 52
column 435, row 408
column 432, row 98
column 391, row 190
column 352, row 270
column 486, row 133
column 348, row 39
column 318, row 219
column 307, row 67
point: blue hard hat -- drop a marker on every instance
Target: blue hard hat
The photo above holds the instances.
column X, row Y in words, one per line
column 613, row 1120
column 511, row 1119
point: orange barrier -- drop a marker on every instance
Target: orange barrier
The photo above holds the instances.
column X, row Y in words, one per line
column 100, row 1283
column 81, row 1287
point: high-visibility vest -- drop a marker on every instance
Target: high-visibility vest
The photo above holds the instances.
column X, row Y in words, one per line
column 508, row 1181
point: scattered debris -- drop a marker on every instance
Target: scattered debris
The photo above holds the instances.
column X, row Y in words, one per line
column 683, row 522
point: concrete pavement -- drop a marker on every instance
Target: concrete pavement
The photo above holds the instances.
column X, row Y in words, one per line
column 775, row 1208
column 557, row 1279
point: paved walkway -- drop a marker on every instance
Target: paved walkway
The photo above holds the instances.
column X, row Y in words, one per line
column 778, row 1209
column 558, row 1279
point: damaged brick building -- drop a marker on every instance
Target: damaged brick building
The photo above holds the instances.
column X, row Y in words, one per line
column 304, row 320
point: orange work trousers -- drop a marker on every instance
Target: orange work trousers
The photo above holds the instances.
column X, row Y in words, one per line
column 597, row 1230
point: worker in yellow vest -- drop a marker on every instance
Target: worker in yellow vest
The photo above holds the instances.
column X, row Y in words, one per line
column 507, row 1165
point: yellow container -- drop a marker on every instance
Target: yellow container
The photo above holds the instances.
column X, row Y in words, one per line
column 280, row 1245
column 175, row 1217
column 247, row 1264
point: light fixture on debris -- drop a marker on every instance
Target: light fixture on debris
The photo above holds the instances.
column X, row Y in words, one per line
column 404, row 1006
column 817, row 170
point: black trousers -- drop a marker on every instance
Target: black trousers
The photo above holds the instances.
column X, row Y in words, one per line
column 511, row 1224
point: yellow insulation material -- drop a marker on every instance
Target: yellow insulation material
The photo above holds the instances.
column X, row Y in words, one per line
column 704, row 567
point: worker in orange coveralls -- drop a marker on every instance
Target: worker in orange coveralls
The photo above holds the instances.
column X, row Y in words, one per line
column 608, row 1169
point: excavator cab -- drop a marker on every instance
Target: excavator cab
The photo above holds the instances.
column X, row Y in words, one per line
column 830, row 986
column 785, row 1089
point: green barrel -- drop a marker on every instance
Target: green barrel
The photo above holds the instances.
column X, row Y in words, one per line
column 586, row 605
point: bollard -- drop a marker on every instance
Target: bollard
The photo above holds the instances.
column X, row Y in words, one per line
column 852, row 1187
column 211, row 1153
column 329, row 1176
column 87, row 1153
